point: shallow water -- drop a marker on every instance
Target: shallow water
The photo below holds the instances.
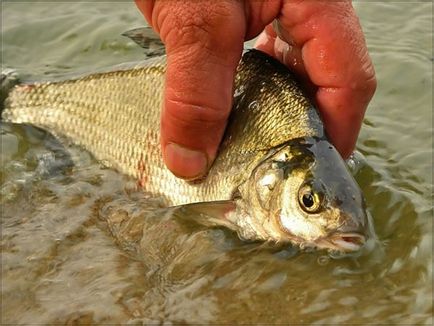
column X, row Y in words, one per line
column 80, row 245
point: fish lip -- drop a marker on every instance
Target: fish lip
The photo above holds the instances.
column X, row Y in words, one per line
column 347, row 242
column 338, row 241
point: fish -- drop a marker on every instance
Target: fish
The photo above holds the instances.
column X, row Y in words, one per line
column 277, row 178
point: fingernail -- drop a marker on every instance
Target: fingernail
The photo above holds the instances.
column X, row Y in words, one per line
column 184, row 162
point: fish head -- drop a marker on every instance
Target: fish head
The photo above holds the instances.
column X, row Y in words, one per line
column 303, row 193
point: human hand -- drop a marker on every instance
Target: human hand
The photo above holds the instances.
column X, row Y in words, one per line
column 321, row 40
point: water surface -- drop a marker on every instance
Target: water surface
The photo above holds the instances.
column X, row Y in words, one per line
column 61, row 262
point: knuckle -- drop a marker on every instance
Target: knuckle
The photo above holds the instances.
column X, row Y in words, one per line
column 366, row 79
column 194, row 115
column 192, row 125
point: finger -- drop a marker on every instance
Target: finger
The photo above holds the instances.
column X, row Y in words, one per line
column 336, row 60
column 204, row 42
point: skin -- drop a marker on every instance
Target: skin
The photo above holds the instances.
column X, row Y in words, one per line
column 321, row 40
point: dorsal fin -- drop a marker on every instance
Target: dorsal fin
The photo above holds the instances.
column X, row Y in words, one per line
column 148, row 39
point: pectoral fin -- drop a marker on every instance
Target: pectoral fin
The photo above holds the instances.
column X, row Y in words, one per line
column 146, row 38
column 218, row 213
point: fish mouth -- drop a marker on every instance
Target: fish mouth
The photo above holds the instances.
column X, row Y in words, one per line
column 346, row 242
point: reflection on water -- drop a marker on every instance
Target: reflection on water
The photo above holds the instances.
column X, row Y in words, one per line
column 81, row 245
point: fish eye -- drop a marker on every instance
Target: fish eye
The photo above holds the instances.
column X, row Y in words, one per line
column 309, row 200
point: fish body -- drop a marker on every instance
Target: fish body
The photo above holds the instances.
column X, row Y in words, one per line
column 276, row 176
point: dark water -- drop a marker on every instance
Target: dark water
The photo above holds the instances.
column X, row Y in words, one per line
column 80, row 245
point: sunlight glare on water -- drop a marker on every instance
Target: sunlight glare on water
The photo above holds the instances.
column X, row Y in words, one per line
column 81, row 245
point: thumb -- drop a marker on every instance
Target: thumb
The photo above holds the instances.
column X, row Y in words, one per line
column 204, row 42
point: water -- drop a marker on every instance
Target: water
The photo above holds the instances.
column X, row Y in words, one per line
column 80, row 245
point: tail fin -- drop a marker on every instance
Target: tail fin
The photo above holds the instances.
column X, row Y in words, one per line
column 9, row 78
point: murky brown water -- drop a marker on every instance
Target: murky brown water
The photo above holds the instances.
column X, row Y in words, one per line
column 80, row 245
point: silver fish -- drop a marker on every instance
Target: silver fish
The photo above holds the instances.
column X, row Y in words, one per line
column 276, row 178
